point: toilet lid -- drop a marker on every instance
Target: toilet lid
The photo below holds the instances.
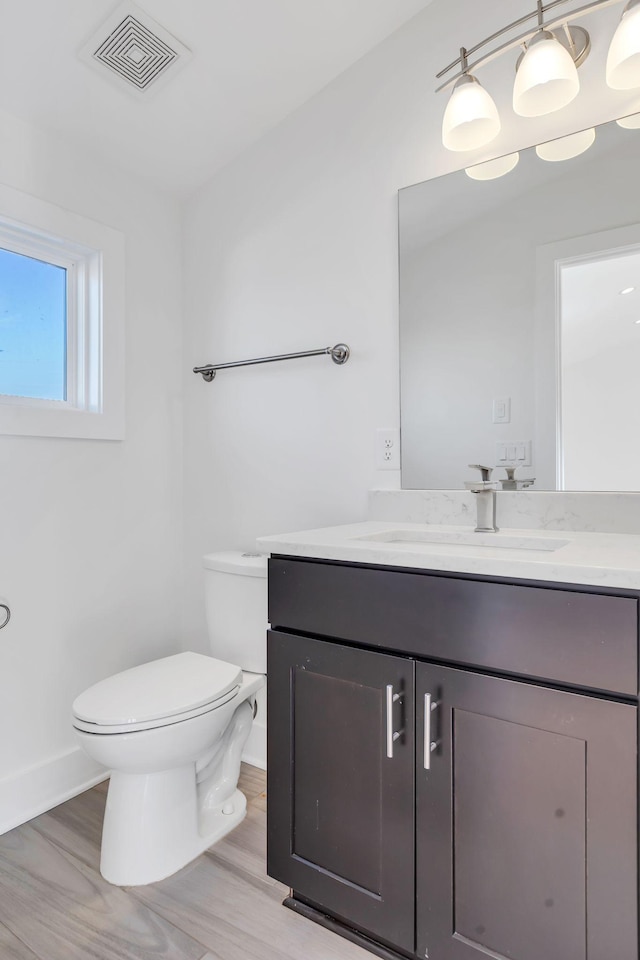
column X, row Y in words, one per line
column 163, row 688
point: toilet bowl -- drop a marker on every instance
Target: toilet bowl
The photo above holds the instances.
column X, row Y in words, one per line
column 172, row 732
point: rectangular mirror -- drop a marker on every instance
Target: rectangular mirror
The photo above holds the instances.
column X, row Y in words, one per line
column 520, row 320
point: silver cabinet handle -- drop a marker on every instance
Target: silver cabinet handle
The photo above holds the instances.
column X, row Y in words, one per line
column 7, row 615
column 429, row 744
column 391, row 736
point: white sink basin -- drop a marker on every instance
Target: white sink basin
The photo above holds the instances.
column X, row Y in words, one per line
column 462, row 538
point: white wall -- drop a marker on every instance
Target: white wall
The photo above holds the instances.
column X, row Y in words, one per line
column 294, row 246
column 90, row 530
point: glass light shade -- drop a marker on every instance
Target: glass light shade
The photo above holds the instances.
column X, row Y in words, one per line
column 471, row 119
column 492, row 169
column 547, row 78
column 630, row 123
column 623, row 60
column 566, row 147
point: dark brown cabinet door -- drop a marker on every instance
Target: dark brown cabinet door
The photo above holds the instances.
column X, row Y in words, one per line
column 340, row 810
column 526, row 821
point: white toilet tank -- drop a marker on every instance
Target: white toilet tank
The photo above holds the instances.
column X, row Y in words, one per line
column 235, row 589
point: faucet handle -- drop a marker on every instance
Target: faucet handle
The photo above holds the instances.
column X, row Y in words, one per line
column 485, row 472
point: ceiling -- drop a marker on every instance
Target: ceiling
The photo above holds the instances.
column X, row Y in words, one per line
column 253, row 63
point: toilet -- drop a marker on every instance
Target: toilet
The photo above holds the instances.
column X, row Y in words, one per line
column 172, row 733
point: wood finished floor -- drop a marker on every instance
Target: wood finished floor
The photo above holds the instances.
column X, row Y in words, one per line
column 54, row 905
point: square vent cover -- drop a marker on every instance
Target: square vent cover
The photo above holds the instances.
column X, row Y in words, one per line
column 134, row 51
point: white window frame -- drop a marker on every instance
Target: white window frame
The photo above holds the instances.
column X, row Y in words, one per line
column 93, row 256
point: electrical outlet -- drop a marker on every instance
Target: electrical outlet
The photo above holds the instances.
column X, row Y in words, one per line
column 387, row 450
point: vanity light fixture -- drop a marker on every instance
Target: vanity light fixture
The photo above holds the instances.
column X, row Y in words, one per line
column 471, row 119
column 623, row 60
column 623, row 293
column 565, row 148
column 547, row 77
column 546, row 71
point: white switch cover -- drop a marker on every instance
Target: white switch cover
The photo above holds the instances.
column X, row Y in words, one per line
column 502, row 410
column 387, row 449
column 515, row 453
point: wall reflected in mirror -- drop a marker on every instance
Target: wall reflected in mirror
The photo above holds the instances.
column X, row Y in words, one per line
column 520, row 321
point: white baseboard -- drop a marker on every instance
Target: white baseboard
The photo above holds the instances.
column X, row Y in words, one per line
column 33, row 791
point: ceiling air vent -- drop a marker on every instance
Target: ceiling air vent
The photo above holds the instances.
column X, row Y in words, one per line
column 134, row 50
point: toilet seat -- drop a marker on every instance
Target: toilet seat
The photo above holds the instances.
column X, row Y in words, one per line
column 156, row 694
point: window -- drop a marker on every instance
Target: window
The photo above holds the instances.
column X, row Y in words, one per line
column 33, row 327
column 61, row 322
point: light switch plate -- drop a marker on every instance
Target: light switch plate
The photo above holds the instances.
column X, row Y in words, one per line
column 514, row 453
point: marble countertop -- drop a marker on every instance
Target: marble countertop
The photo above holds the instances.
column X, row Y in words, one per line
column 593, row 559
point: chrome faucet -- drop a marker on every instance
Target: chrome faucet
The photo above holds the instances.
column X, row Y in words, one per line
column 485, row 491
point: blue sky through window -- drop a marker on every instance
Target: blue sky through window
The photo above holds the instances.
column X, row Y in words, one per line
column 33, row 328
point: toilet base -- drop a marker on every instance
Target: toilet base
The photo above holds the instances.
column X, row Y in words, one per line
column 141, row 850
column 157, row 823
column 218, row 823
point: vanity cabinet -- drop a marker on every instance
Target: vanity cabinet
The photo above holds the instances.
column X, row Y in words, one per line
column 341, row 815
column 437, row 785
column 526, row 830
